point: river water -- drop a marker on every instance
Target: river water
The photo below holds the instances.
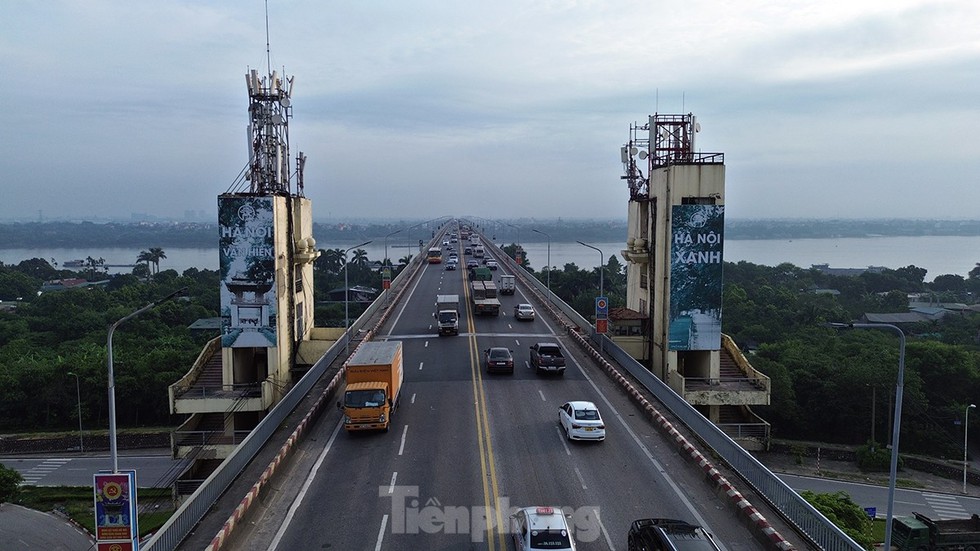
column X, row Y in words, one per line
column 938, row 255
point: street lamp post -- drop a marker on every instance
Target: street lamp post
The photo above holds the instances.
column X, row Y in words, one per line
column 966, row 436
column 387, row 265
column 549, row 260
column 78, row 394
column 897, row 422
column 602, row 270
column 112, row 383
column 347, row 299
column 518, row 228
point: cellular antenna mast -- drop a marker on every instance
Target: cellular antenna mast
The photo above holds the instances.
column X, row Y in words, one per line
column 269, row 110
column 268, row 52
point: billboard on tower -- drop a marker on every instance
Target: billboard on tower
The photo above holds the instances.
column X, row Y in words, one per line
column 696, row 263
column 247, row 264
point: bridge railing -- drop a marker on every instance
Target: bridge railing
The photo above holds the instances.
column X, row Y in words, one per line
column 796, row 510
column 193, row 509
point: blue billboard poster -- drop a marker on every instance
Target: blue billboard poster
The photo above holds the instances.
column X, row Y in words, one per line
column 247, row 268
column 696, row 276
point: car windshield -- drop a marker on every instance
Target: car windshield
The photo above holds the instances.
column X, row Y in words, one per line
column 499, row 354
column 364, row 398
column 587, row 415
column 549, row 539
column 446, row 317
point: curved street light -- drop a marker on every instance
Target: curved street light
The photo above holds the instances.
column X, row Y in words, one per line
column 386, row 264
column 966, row 436
column 519, row 249
column 897, row 422
column 549, row 260
column 602, row 270
column 347, row 299
column 112, row 382
column 78, row 394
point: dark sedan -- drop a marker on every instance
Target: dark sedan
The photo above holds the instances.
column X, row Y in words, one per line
column 499, row 359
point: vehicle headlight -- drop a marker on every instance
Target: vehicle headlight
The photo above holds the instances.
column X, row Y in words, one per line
column 382, row 418
column 346, row 419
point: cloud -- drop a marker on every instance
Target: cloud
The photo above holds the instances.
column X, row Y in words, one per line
column 431, row 108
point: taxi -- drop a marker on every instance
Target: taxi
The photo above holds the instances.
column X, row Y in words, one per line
column 540, row 528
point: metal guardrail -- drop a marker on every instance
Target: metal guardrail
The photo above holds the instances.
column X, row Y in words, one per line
column 237, row 390
column 784, row 499
column 209, row 437
column 745, row 430
column 169, row 536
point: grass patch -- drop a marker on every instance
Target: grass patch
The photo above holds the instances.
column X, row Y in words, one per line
column 878, row 529
column 78, row 502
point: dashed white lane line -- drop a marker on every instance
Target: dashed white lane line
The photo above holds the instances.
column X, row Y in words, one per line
column 401, row 448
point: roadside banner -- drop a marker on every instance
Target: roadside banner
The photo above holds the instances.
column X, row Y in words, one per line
column 115, row 510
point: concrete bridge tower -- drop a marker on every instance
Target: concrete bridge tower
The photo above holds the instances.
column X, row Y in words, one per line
column 266, row 254
column 674, row 253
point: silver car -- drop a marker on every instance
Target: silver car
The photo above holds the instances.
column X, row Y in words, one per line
column 524, row 312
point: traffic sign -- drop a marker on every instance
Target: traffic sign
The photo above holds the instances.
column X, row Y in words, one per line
column 601, row 308
column 602, row 326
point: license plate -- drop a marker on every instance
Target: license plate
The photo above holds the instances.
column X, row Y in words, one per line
column 589, row 429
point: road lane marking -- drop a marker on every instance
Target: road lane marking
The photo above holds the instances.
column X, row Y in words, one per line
column 381, row 532
column 401, row 448
column 542, row 395
column 578, row 473
column 563, row 437
column 427, row 342
column 306, row 486
column 413, row 397
column 391, row 487
column 490, row 489
column 602, row 528
column 420, row 365
column 404, row 303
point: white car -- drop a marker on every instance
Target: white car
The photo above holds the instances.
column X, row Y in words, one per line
column 540, row 528
column 524, row 312
column 581, row 421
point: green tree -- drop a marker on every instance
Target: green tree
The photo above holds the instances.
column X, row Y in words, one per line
column 840, row 509
column 156, row 255
column 360, row 257
column 9, row 484
column 147, row 258
column 16, row 285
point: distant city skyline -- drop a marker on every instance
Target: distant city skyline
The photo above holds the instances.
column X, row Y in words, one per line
column 835, row 109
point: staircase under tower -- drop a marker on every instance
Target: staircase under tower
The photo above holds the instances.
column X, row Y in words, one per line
column 674, row 254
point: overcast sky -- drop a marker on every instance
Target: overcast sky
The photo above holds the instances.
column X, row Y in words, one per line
column 502, row 109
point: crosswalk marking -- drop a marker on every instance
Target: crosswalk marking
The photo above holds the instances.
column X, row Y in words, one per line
column 42, row 469
column 946, row 506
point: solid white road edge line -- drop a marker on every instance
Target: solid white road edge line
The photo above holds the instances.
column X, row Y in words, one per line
column 306, row 486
